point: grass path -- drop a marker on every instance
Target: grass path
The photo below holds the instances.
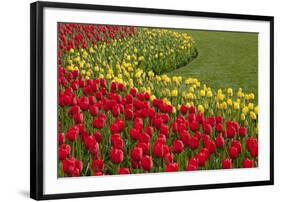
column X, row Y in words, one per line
column 226, row 59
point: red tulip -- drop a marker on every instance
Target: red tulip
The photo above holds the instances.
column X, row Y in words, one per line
column 103, row 83
column 91, row 144
column 64, row 151
column 165, row 118
column 185, row 137
column 78, row 118
column 94, row 110
column 164, row 129
column 211, row 121
column 168, row 158
column 118, row 143
column 230, row 132
column 242, row 131
column 72, row 167
column 211, row 146
column 97, row 136
column 237, row 144
column 134, row 134
column 74, row 110
column 178, row 146
column 192, row 164
column 219, row 128
column 219, row 119
column 149, row 130
column 254, row 151
column 129, row 114
column 233, row 152
column 137, row 153
column 145, row 147
column 116, row 155
column 247, row 163
column 113, row 87
column 114, row 128
column 97, row 165
column 158, row 150
column 226, row 164
column 172, row 167
column 201, row 157
column 194, row 126
column 144, row 137
column 192, row 109
column 72, row 133
column 115, row 110
column 99, row 122
column 193, row 143
column 146, row 163
column 133, row 92
column 183, row 109
column 98, row 173
column 207, row 128
column 220, row 141
column 83, row 103
column 136, row 164
column 123, row 171
column 121, row 87
column 120, row 124
column 61, row 138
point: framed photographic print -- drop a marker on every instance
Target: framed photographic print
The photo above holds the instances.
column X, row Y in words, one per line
column 135, row 100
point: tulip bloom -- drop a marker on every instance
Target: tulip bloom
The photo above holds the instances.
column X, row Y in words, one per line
column 97, row 165
column 220, row 142
column 72, row 133
column 172, row 167
column 226, row 164
column 247, row 163
column 123, row 171
column 116, row 155
column 146, row 163
column 192, row 164
column 178, row 146
column 64, row 151
column 137, row 153
column 233, row 152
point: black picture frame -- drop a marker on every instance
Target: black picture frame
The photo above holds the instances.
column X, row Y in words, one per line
column 37, row 100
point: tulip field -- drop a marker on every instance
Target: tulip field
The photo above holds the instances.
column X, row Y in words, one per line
column 123, row 109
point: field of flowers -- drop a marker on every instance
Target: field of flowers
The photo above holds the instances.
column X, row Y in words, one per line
column 119, row 112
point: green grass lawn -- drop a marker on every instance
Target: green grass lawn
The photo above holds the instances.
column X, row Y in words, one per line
column 226, row 59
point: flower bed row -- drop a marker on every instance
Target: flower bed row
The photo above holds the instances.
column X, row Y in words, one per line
column 114, row 49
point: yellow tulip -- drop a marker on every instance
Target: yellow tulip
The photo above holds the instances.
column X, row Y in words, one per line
column 251, row 106
column 245, row 110
column 253, row 115
column 256, row 110
column 209, row 93
column 190, row 96
column 229, row 102
column 202, row 93
column 252, row 96
column 229, row 91
column 96, row 68
column 152, row 97
column 236, row 105
column 201, row 108
column 174, row 93
column 220, row 96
